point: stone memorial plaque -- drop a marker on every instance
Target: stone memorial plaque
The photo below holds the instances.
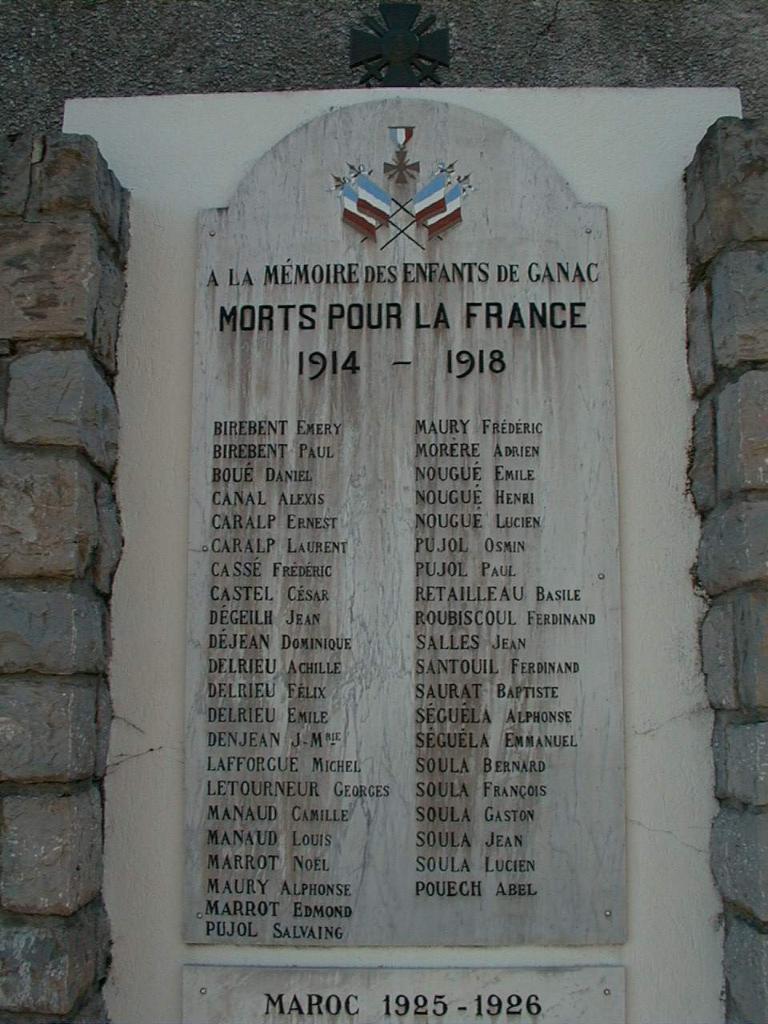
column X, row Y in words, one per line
column 268, row 995
column 404, row 691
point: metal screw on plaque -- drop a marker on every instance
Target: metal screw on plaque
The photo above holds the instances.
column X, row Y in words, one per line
column 601, row 575
column 606, row 991
column 199, row 916
column 398, row 50
column 608, row 913
column 203, row 991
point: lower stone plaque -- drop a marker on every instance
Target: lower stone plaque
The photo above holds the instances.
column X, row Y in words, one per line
column 264, row 995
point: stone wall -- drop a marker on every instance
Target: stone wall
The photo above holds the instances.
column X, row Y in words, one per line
column 728, row 359
column 54, row 51
column 63, row 234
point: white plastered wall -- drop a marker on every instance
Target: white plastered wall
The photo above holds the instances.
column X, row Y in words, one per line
column 625, row 149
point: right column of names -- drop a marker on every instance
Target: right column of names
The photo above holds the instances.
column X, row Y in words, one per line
column 494, row 695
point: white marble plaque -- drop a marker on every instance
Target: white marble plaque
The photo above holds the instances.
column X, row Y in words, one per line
column 264, row 995
column 404, row 691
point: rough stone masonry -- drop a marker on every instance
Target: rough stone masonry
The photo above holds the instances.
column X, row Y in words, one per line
column 727, row 186
column 63, row 238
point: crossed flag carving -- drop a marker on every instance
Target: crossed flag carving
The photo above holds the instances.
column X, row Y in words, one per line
column 366, row 206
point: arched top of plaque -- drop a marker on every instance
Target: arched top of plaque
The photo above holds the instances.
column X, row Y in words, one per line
column 402, row 179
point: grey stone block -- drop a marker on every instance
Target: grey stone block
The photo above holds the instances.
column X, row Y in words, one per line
column 51, row 632
column 15, row 163
column 73, row 175
column 60, row 398
column 727, row 187
column 742, row 434
column 746, row 971
column 51, row 852
column 49, row 279
column 739, row 863
column 35, row 1018
column 733, row 549
column 751, row 631
column 108, row 308
column 732, row 1015
column 91, row 1010
column 110, row 544
column 718, row 753
column 702, row 467
column 103, row 727
column 718, row 655
column 48, row 730
column 4, row 365
column 48, row 520
column 49, row 964
column 700, row 363
column 746, row 763
column 102, row 941
column 94, row 1012
column 740, row 306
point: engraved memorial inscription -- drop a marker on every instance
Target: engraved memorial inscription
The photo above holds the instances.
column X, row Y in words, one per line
column 404, row 693
column 559, row 995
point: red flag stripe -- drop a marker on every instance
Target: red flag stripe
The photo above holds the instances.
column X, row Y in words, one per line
column 446, row 222
column 360, row 223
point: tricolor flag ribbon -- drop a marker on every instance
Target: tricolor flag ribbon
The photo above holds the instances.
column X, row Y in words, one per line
column 401, row 136
column 372, row 200
column 449, row 216
column 430, row 200
column 352, row 214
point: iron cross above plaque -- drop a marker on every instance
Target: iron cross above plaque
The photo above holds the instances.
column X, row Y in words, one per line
column 399, row 50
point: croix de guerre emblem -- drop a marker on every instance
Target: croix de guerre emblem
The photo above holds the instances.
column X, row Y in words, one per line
column 436, row 207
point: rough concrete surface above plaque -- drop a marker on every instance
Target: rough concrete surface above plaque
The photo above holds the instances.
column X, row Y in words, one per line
column 404, row 692
column 555, row 995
